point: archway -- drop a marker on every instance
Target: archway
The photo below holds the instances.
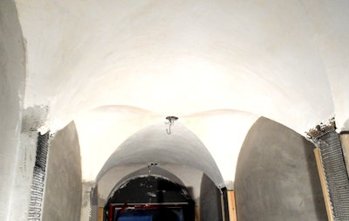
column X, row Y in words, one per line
column 150, row 197
column 180, row 157
column 153, row 144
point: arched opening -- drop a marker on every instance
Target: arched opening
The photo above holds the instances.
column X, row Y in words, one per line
column 150, row 198
column 182, row 170
column 153, row 144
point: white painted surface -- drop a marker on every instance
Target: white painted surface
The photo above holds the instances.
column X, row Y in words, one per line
column 12, row 76
column 153, row 144
column 284, row 60
column 223, row 133
column 182, row 57
column 329, row 20
column 103, row 130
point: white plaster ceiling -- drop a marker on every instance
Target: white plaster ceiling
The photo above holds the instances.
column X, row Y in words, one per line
column 154, row 144
column 285, row 60
column 106, row 129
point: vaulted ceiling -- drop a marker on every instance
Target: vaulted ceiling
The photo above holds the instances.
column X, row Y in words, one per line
column 116, row 67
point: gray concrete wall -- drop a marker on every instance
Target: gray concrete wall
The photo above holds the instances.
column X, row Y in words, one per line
column 63, row 183
column 276, row 177
column 12, row 77
column 210, row 201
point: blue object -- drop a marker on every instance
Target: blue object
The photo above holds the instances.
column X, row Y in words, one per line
column 136, row 218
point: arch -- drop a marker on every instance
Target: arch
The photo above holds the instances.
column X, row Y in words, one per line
column 187, row 176
column 150, row 195
column 222, row 132
column 155, row 171
column 153, row 144
column 154, row 184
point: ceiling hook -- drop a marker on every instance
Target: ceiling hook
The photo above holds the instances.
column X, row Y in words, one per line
column 171, row 120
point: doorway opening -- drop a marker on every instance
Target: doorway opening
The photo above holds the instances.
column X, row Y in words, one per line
column 150, row 198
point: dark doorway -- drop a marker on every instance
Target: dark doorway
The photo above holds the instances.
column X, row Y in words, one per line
column 150, row 198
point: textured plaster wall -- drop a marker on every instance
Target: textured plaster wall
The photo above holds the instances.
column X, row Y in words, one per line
column 210, row 201
column 12, row 77
column 276, row 176
column 63, row 182
column 32, row 119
